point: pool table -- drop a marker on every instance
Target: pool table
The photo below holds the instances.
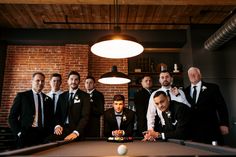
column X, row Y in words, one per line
column 136, row 148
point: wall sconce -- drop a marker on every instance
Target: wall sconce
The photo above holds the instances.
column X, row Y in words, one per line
column 114, row 77
column 117, row 45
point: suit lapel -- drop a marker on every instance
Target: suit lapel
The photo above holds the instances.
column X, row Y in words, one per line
column 32, row 103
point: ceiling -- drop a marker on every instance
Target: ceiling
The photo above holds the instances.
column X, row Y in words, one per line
column 100, row 14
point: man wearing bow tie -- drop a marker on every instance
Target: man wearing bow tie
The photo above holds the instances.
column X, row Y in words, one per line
column 97, row 108
column 176, row 119
column 119, row 120
column 73, row 109
column 31, row 115
column 210, row 115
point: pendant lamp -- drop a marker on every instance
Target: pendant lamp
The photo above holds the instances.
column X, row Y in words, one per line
column 114, row 77
column 117, row 45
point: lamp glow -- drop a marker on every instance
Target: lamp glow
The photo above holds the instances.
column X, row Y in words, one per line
column 114, row 77
column 117, row 46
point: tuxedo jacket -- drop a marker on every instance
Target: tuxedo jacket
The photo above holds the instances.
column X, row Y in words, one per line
column 177, row 123
column 97, row 110
column 141, row 100
column 22, row 113
column 208, row 113
column 127, row 122
column 78, row 111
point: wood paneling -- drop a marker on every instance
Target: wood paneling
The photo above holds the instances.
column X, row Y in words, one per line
column 97, row 14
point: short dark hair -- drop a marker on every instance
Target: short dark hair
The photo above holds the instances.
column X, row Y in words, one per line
column 166, row 71
column 119, row 97
column 74, row 73
column 38, row 73
column 145, row 76
column 56, row 75
column 90, row 77
column 158, row 93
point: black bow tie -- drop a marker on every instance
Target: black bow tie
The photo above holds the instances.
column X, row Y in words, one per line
column 118, row 115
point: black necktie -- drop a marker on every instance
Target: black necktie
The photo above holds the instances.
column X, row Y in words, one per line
column 168, row 93
column 53, row 100
column 39, row 112
column 167, row 119
column 71, row 99
column 194, row 94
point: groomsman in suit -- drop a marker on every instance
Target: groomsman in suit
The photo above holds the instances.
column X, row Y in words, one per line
column 118, row 121
column 166, row 80
column 31, row 115
column 97, row 108
column 55, row 83
column 73, row 109
column 176, row 119
column 210, row 115
column 141, row 100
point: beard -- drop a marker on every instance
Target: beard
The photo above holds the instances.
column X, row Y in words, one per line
column 166, row 83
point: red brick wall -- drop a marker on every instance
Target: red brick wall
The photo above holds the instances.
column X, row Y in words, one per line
column 23, row 61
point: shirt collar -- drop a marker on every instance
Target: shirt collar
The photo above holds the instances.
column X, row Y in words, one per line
column 57, row 92
column 73, row 91
column 116, row 113
column 90, row 92
column 36, row 92
column 198, row 84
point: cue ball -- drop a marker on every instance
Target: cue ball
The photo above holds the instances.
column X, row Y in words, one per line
column 122, row 149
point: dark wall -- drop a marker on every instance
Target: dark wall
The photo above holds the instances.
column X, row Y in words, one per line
column 216, row 66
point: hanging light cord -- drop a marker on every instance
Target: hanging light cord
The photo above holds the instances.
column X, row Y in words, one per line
column 116, row 19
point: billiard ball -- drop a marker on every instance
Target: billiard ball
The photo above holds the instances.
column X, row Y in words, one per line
column 122, row 149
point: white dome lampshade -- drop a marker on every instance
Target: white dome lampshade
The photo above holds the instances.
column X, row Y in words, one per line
column 117, row 46
column 114, row 77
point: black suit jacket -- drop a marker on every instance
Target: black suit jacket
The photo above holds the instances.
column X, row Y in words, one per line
column 127, row 122
column 78, row 111
column 22, row 113
column 208, row 113
column 141, row 101
column 97, row 110
column 177, row 124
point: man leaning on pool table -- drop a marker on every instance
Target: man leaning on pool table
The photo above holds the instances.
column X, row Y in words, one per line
column 119, row 120
column 176, row 119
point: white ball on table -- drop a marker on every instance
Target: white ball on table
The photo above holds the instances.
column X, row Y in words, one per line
column 122, row 149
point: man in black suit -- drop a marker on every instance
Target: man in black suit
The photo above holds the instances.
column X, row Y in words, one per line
column 118, row 121
column 141, row 100
column 72, row 114
column 31, row 115
column 97, row 108
column 176, row 119
column 210, row 115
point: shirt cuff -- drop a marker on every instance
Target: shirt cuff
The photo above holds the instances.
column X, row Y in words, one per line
column 76, row 132
column 163, row 136
column 57, row 126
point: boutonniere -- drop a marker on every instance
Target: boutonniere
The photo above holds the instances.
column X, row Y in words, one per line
column 168, row 113
column 124, row 118
column 204, row 88
column 91, row 100
column 46, row 98
column 76, row 100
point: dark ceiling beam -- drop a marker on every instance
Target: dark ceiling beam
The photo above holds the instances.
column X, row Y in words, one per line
column 150, row 39
column 129, row 2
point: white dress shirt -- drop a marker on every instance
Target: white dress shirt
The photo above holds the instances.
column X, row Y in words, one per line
column 153, row 110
